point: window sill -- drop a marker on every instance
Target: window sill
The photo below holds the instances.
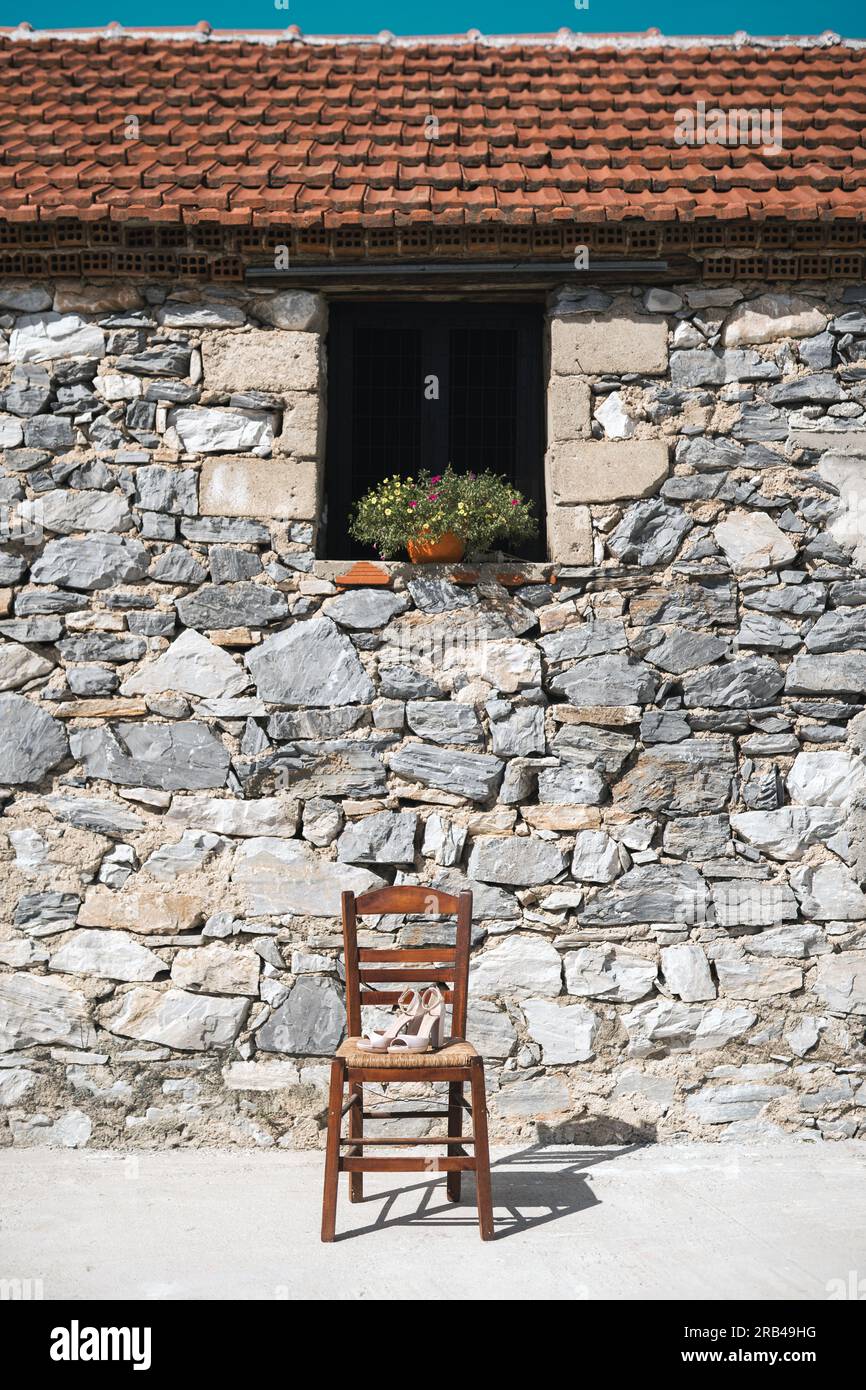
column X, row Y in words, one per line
column 350, row 574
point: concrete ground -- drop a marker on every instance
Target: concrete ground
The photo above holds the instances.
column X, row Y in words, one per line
column 664, row 1222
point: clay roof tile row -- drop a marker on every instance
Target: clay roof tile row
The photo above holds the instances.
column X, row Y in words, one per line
column 182, row 128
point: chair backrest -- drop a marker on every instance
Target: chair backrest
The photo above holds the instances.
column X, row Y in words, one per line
column 404, row 966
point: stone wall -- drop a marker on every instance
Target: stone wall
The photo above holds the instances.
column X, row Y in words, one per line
column 651, row 772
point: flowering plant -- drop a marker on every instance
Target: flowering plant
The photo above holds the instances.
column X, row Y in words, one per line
column 476, row 507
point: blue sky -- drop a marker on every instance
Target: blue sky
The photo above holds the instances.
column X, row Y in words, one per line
column 847, row 17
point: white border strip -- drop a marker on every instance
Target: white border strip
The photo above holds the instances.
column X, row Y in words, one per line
column 563, row 38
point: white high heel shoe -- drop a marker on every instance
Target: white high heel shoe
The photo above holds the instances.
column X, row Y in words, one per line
column 409, row 1007
column 425, row 1029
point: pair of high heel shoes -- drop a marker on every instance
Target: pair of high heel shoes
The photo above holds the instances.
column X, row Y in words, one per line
column 418, row 1025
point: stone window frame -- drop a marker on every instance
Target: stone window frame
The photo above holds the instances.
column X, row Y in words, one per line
column 534, row 430
column 580, row 471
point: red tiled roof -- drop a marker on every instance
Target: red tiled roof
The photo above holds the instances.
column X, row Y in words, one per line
column 192, row 126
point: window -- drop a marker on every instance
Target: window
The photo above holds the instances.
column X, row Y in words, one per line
column 419, row 385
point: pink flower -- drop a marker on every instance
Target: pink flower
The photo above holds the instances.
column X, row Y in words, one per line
column 515, row 502
column 413, row 504
column 432, row 496
column 437, row 479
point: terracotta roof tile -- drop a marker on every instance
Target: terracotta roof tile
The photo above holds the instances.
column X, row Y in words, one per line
column 188, row 125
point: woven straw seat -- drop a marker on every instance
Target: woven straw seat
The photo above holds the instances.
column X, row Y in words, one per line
column 453, row 1054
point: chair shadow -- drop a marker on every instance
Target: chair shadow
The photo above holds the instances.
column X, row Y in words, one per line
column 531, row 1188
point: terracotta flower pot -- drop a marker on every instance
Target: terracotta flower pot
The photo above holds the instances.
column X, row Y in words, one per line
column 447, row 550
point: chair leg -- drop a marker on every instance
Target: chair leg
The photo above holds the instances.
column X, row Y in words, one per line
column 356, row 1131
column 332, row 1152
column 482, row 1152
column 455, row 1126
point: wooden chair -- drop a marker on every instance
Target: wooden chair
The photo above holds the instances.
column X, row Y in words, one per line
column 457, row 1062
